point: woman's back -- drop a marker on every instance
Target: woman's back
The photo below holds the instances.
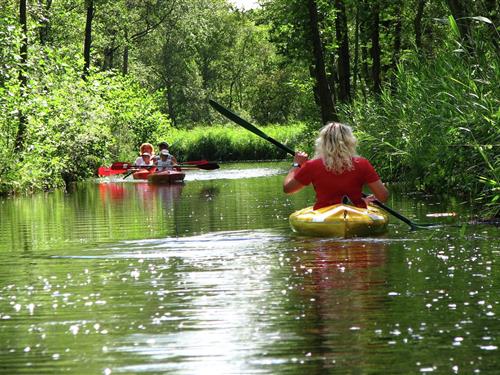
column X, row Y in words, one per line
column 331, row 187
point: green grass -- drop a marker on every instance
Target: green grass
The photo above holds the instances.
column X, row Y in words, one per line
column 232, row 143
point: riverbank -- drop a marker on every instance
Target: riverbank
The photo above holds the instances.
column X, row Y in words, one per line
column 425, row 109
column 232, row 143
column 437, row 128
column 430, row 137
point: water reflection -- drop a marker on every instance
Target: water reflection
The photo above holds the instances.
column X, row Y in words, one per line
column 205, row 313
column 111, row 191
column 343, row 264
column 334, row 286
column 149, row 194
column 219, row 314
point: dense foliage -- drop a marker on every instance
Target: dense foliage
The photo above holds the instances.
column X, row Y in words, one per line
column 73, row 126
column 441, row 131
column 83, row 83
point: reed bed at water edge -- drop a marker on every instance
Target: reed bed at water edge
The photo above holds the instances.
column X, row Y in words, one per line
column 438, row 127
column 232, row 143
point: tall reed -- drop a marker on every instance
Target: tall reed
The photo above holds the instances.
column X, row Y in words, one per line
column 439, row 131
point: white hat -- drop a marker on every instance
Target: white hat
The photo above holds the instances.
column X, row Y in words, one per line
column 164, row 152
column 146, row 154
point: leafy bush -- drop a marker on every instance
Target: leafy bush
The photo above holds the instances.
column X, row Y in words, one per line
column 73, row 126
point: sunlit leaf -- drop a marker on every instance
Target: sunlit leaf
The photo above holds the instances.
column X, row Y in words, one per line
column 482, row 19
column 454, row 26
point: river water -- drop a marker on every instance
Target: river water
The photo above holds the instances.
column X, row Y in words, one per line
column 207, row 278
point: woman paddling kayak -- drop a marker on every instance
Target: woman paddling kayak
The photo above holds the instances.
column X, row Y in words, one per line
column 335, row 171
column 165, row 160
column 144, row 160
column 146, row 155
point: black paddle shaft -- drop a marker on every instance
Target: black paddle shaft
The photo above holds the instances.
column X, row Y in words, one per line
column 237, row 119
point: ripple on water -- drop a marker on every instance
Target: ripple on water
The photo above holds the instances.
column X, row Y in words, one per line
column 208, row 245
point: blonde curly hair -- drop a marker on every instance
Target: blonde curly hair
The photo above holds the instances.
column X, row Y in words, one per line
column 336, row 146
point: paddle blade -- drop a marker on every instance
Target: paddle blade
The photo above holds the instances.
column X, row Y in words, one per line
column 121, row 165
column 104, row 171
column 208, row 166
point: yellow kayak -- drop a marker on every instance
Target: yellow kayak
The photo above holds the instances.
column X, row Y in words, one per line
column 339, row 220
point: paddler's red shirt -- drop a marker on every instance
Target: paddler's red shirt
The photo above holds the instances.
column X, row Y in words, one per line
column 331, row 187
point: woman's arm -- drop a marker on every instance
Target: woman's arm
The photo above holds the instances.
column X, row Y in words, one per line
column 379, row 191
column 291, row 185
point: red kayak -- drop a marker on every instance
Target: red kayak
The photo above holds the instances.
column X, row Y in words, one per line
column 142, row 174
column 165, row 177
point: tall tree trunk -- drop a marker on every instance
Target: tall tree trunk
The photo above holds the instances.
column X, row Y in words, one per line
column 356, row 51
column 365, row 69
column 398, row 26
column 44, row 27
column 88, row 37
column 170, row 101
column 169, row 84
column 397, row 34
column 125, row 59
column 327, row 107
column 109, row 53
column 343, row 64
column 375, row 50
column 125, row 55
column 364, row 34
column 23, row 79
column 23, row 20
column 417, row 24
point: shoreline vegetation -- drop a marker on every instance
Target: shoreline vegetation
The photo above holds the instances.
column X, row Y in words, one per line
column 84, row 86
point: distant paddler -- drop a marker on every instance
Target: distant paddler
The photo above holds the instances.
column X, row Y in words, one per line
column 336, row 171
column 144, row 160
column 165, row 160
column 146, row 155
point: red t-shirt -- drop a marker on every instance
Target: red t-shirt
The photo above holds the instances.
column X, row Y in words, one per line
column 332, row 187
